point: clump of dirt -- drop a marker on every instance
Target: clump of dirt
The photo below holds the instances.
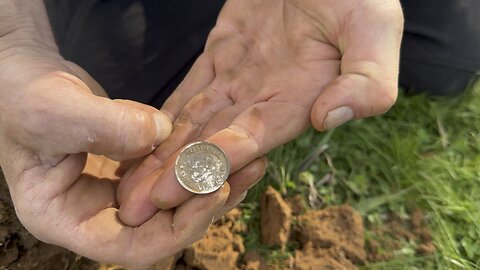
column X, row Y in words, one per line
column 219, row 249
column 339, row 226
column 232, row 221
column 297, row 204
column 395, row 232
column 275, row 219
column 310, row 258
column 254, row 261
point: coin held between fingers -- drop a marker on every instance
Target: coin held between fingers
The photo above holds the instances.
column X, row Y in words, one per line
column 202, row 167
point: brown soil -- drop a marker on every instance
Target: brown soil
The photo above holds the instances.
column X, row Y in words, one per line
column 311, row 258
column 254, row 261
column 332, row 238
column 220, row 249
column 275, row 218
column 297, row 204
column 336, row 227
column 392, row 236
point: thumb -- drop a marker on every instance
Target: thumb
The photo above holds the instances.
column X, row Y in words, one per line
column 128, row 129
column 368, row 81
column 69, row 119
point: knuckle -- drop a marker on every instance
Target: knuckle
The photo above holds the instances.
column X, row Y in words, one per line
column 142, row 132
column 187, row 117
column 245, row 134
column 387, row 97
column 260, row 167
column 136, row 132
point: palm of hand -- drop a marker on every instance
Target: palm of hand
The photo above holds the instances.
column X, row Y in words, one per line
column 265, row 71
column 268, row 70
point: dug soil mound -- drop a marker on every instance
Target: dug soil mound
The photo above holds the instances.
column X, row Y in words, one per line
column 340, row 228
column 332, row 238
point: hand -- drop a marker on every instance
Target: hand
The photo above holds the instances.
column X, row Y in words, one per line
column 270, row 68
column 49, row 120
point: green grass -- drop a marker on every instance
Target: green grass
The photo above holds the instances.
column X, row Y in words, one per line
column 424, row 153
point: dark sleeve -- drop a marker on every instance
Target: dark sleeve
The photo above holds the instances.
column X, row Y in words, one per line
column 440, row 50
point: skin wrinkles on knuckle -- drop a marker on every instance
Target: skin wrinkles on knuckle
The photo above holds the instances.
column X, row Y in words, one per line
column 132, row 132
column 379, row 81
column 187, row 117
column 201, row 107
column 143, row 127
column 369, row 69
column 121, row 144
column 385, row 93
column 244, row 133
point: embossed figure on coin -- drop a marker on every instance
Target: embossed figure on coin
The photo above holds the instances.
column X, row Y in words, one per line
column 202, row 167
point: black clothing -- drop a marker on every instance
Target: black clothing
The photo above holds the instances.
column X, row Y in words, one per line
column 441, row 45
column 136, row 49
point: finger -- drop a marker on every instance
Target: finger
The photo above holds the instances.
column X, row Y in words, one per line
column 130, row 178
column 368, row 83
column 153, row 162
column 222, row 119
column 192, row 119
column 251, row 135
column 232, row 204
column 138, row 207
column 82, row 122
column 241, row 181
column 182, row 134
column 135, row 172
column 199, row 77
column 190, row 226
column 161, row 236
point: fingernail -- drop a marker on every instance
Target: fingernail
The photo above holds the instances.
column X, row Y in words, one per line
column 164, row 127
column 338, row 117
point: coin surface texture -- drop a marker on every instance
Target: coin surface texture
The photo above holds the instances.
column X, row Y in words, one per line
column 202, row 167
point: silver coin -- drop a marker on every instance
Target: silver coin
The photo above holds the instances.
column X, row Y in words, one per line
column 202, row 167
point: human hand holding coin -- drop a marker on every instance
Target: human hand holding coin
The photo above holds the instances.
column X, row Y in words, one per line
column 270, row 69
